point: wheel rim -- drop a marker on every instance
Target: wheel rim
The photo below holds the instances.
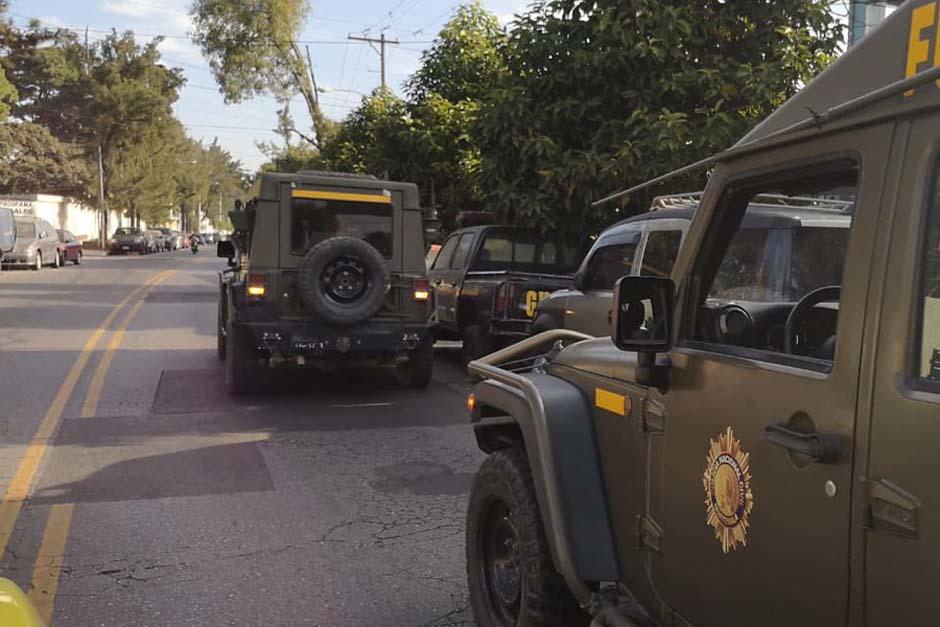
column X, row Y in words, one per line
column 501, row 572
column 344, row 279
column 38, row 261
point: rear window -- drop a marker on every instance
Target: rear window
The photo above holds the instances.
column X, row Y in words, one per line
column 314, row 220
column 525, row 252
column 26, row 229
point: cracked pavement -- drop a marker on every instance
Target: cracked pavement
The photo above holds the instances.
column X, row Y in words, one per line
column 338, row 500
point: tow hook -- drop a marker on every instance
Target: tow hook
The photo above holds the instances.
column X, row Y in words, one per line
column 410, row 340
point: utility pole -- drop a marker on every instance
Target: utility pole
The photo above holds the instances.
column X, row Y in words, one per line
column 103, row 235
column 382, row 41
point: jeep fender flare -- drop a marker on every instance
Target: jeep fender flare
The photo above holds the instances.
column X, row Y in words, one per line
column 566, row 470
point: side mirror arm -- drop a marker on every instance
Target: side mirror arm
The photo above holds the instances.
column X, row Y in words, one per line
column 653, row 370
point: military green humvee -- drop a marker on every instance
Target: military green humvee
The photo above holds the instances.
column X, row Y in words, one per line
column 327, row 269
column 679, row 474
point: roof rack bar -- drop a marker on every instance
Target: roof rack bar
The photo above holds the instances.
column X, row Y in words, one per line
column 816, row 120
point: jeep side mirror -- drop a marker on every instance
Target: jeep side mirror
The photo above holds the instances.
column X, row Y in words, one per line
column 641, row 320
column 225, row 248
column 580, row 280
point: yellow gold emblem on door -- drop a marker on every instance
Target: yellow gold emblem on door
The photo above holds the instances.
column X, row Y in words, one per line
column 532, row 300
column 728, row 495
column 612, row 402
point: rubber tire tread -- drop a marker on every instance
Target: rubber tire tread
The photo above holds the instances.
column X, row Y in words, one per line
column 318, row 304
column 241, row 377
column 547, row 601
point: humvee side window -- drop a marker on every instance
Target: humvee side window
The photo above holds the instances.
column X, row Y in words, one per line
column 774, row 264
column 662, row 248
column 610, row 263
column 928, row 360
column 314, row 220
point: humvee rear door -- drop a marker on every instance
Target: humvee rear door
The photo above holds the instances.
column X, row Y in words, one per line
column 899, row 497
column 751, row 474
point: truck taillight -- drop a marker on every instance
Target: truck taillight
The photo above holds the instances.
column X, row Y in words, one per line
column 501, row 298
column 422, row 289
column 255, row 286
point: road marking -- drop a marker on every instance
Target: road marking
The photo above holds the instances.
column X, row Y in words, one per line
column 48, row 566
column 18, row 489
column 351, row 405
column 45, row 581
column 93, row 396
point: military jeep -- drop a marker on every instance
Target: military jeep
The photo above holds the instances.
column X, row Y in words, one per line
column 327, row 270
column 742, row 452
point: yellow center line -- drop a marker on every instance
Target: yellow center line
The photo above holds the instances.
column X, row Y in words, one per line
column 45, row 581
column 18, row 489
column 90, row 406
column 48, row 566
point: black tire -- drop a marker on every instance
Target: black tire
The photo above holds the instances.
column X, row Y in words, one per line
column 343, row 280
column 220, row 332
column 510, row 573
column 243, row 376
column 38, row 266
column 59, row 259
column 78, row 260
column 476, row 343
column 416, row 372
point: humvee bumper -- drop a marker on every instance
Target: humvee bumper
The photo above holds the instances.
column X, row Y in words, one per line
column 286, row 339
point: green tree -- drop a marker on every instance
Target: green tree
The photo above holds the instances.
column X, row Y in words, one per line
column 252, row 49
column 464, row 61
column 8, row 93
column 33, row 161
column 602, row 94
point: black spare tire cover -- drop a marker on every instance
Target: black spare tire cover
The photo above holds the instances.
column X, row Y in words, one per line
column 343, row 280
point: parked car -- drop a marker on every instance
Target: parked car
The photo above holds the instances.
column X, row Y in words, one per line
column 173, row 239
column 37, row 245
column 747, row 447
column 158, row 241
column 780, row 237
column 7, row 233
column 327, row 271
column 488, row 281
column 71, row 247
column 128, row 239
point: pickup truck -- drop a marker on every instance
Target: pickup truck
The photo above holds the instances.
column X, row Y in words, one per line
column 488, row 281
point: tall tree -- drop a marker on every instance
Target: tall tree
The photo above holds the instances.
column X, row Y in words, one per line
column 33, row 161
column 600, row 94
column 252, row 49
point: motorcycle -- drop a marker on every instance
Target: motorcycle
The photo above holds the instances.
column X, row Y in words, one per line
column 194, row 246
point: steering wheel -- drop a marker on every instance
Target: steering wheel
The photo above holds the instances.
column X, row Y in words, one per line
column 820, row 295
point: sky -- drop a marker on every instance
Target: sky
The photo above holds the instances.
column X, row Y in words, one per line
column 342, row 67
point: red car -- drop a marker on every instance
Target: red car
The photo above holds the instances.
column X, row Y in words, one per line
column 71, row 249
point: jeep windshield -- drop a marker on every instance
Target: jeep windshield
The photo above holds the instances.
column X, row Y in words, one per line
column 780, row 264
column 524, row 251
column 315, row 219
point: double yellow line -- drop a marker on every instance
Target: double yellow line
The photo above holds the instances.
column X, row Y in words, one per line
column 49, row 561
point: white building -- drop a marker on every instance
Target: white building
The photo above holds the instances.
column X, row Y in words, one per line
column 62, row 213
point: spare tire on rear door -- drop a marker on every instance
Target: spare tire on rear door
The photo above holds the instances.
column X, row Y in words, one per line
column 343, row 280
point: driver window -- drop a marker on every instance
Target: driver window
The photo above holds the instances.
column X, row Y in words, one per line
column 609, row 264
column 774, row 264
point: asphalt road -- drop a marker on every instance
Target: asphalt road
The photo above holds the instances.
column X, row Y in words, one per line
column 137, row 494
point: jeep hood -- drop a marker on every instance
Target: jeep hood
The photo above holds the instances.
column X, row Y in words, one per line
column 598, row 357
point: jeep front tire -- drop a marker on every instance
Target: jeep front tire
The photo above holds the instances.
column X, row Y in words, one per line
column 510, row 573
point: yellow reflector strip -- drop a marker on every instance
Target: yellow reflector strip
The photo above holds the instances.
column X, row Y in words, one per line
column 614, row 403
column 373, row 198
column 422, row 295
column 256, row 290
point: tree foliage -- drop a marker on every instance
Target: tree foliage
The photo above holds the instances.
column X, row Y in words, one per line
column 252, row 49
column 601, row 94
column 33, row 161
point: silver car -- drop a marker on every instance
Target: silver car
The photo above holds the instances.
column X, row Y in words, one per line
column 37, row 245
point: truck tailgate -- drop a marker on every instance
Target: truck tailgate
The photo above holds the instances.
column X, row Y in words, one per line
column 520, row 293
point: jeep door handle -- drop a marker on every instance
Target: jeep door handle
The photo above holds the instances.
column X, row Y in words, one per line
column 823, row 448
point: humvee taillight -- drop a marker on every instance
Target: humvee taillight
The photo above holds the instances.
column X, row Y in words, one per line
column 255, row 286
